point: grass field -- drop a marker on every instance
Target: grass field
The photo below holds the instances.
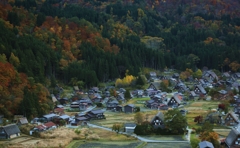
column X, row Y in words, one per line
column 105, row 144
column 138, row 101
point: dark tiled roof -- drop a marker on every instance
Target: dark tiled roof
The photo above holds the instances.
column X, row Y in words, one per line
column 82, row 118
column 97, row 111
column 11, row 129
column 131, row 105
column 130, row 125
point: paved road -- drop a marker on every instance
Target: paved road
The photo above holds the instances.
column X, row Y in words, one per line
column 139, row 137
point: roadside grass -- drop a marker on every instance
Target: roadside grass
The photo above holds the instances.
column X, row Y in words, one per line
column 167, row 145
column 194, row 140
column 165, row 137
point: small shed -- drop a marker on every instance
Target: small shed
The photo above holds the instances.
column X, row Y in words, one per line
column 129, row 127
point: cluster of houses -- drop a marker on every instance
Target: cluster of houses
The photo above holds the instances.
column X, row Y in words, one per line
column 158, row 100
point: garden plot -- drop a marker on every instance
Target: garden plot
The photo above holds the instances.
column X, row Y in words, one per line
column 199, row 108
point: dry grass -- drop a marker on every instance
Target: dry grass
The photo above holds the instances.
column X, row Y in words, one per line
column 108, row 135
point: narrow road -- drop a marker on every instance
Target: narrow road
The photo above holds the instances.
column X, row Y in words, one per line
column 139, row 137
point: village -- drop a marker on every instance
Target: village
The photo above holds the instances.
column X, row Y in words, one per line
column 211, row 99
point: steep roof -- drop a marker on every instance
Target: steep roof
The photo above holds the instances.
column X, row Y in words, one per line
column 177, row 98
column 201, row 89
column 11, row 129
column 76, row 88
column 232, row 136
column 23, row 120
column 205, row 144
column 233, row 115
column 156, row 85
column 159, row 115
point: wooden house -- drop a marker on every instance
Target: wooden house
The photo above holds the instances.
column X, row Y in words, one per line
column 44, row 127
column 181, row 87
column 63, row 101
column 129, row 108
column 211, row 75
column 22, row 121
column 214, row 117
column 96, row 98
column 59, row 111
column 112, row 104
column 9, row 131
column 231, row 119
column 151, row 104
column 158, row 121
column 95, row 114
column 74, row 104
column 120, row 97
column 119, row 108
column 163, row 107
column 174, row 100
column 80, row 121
column 154, row 86
column 157, row 98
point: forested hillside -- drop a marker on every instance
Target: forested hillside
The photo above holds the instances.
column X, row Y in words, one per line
column 92, row 41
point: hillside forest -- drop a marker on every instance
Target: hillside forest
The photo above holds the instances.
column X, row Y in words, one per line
column 87, row 42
